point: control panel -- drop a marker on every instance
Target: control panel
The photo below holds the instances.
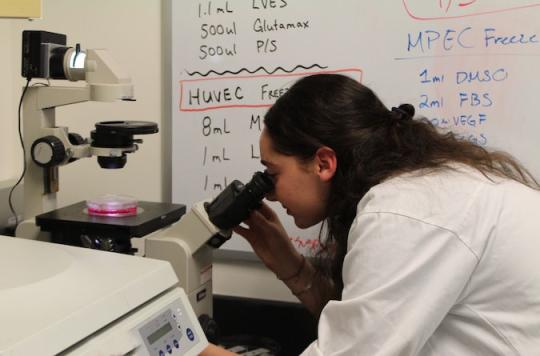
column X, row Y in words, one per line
column 171, row 332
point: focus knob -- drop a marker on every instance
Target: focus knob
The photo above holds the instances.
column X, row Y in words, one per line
column 48, row 151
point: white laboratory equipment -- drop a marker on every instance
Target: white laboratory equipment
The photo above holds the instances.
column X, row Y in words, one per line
column 64, row 300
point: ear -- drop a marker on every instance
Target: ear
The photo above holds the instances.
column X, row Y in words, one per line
column 326, row 163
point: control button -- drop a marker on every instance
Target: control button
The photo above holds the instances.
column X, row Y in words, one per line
column 169, row 349
column 161, row 353
column 190, row 334
column 175, row 343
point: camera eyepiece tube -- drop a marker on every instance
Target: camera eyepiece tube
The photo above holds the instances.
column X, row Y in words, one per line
column 233, row 205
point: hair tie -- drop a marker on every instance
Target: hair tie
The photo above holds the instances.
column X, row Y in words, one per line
column 400, row 114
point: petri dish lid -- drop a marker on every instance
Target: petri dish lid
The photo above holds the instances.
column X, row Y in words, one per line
column 112, row 205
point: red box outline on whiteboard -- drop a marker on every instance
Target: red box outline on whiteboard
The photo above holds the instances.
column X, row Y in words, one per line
column 410, row 13
column 346, row 70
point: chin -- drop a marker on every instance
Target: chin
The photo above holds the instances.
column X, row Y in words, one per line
column 302, row 224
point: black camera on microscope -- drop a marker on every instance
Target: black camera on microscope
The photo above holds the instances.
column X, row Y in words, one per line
column 45, row 55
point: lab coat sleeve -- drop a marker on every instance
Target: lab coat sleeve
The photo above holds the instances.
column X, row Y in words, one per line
column 401, row 277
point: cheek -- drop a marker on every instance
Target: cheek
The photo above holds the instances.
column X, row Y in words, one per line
column 278, row 191
column 281, row 192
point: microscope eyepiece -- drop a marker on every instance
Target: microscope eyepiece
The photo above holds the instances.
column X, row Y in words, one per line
column 233, row 205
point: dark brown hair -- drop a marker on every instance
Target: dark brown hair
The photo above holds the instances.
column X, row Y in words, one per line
column 371, row 143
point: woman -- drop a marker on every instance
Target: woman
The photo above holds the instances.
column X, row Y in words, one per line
column 430, row 245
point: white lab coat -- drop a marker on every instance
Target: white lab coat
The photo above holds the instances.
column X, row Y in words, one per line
column 444, row 263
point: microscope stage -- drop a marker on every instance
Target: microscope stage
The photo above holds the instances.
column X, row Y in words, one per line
column 150, row 217
column 72, row 225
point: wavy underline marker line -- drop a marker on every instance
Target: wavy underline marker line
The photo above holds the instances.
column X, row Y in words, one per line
column 263, row 69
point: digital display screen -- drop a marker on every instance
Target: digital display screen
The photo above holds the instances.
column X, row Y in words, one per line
column 156, row 335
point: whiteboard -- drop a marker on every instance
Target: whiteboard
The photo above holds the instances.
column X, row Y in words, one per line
column 469, row 66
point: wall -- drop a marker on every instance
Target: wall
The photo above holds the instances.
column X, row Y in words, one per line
column 8, row 121
column 131, row 30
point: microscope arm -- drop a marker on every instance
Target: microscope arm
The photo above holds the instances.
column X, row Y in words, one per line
column 106, row 79
column 187, row 245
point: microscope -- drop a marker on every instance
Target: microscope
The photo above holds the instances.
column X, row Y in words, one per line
column 158, row 230
column 47, row 146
